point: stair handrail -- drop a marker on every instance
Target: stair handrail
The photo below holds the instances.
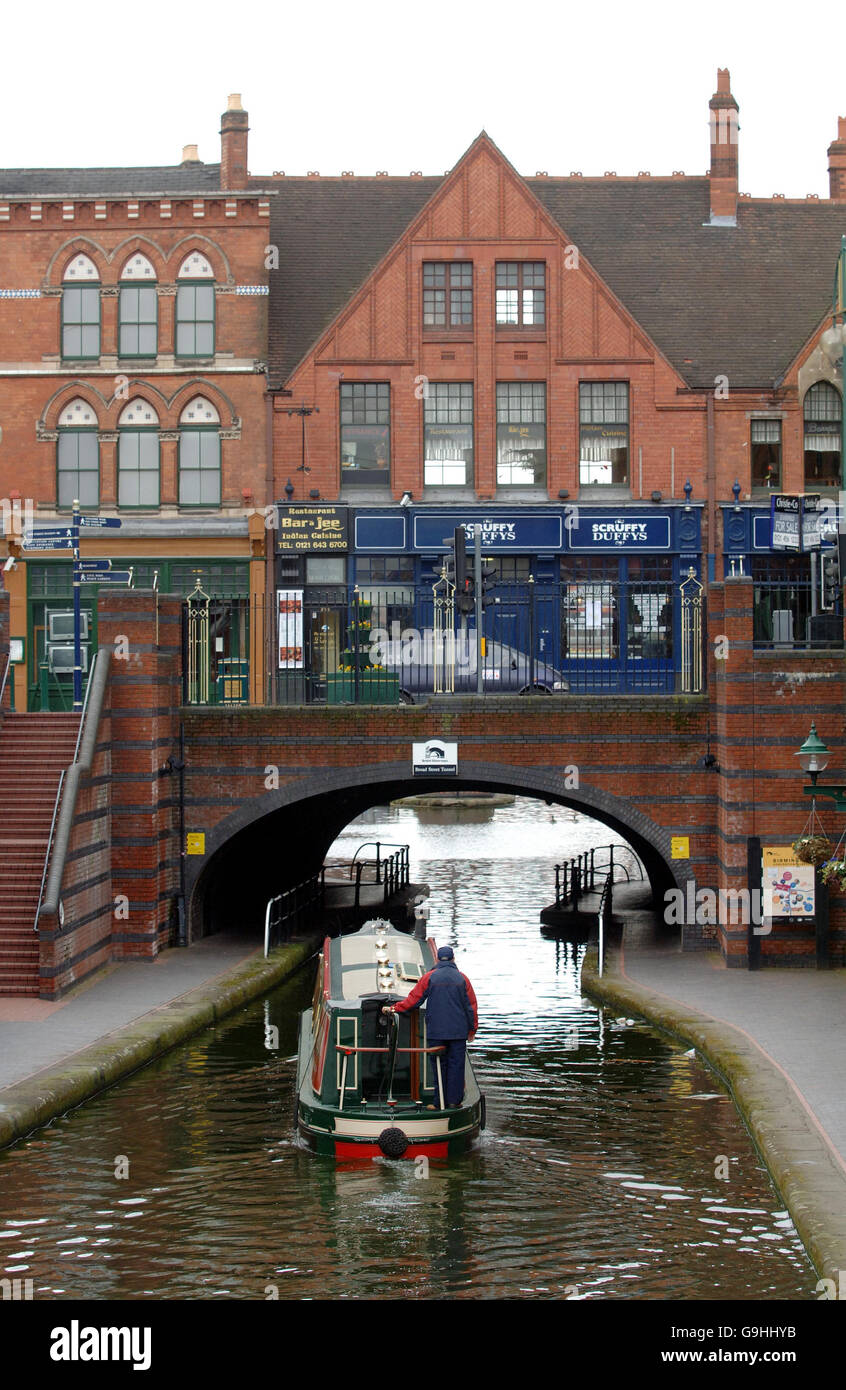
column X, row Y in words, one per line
column 74, row 774
column 49, row 847
column 88, row 685
column 5, row 677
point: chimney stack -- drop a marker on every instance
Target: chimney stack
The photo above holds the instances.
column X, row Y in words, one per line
column 723, row 173
column 233, row 144
column 837, row 164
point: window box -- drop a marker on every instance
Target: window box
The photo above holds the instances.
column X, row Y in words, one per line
column 374, row 688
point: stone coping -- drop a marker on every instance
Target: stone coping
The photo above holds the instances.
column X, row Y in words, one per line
column 807, row 1171
column 28, row 1104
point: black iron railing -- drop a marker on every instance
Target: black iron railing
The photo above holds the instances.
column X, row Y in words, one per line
column 295, row 911
column 380, row 644
column 595, row 870
column 391, row 871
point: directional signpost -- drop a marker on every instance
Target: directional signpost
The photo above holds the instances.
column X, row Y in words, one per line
column 84, row 572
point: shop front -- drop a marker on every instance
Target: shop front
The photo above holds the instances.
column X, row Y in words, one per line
column 797, row 592
column 584, row 599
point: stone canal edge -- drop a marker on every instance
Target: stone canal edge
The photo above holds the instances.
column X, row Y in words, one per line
column 29, row 1104
column 806, row 1169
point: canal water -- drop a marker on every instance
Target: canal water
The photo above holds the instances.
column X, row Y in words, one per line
column 599, row 1175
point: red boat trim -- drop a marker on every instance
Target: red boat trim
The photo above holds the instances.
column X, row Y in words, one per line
column 346, row 1150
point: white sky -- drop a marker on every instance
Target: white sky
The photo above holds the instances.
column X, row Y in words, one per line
column 399, row 86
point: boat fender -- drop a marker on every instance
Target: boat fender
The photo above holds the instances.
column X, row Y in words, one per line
column 393, row 1142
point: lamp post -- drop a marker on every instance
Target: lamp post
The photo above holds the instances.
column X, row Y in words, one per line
column 813, row 758
column 304, row 411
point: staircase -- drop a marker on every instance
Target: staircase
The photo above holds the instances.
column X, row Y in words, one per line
column 34, row 750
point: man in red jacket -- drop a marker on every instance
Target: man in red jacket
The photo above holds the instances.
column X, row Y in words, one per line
column 452, row 1018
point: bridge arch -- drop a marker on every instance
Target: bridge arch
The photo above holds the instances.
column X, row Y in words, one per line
column 273, row 841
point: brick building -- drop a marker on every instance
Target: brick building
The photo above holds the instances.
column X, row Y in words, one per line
column 611, row 375
column 607, row 378
column 132, row 349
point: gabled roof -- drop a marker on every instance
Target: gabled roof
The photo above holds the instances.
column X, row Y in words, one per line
column 331, row 234
column 193, row 177
column 739, row 301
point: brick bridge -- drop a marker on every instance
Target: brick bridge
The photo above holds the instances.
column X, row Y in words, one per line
column 270, row 788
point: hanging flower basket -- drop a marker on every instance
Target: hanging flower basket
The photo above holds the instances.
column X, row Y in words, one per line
column 812, row 849
column 833, row 872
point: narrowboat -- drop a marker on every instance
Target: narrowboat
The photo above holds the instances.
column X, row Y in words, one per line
column 368, row 1083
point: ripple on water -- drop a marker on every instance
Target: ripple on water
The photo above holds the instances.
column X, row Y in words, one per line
column 595, row 1179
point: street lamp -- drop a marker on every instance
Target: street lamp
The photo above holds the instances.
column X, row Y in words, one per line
column 813, row 758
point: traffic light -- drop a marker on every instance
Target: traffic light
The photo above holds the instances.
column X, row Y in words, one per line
column 457, row 572
column 830, row 579
column 489, row 576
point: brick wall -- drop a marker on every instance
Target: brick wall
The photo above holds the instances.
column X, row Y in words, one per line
column 764, row 702
column 75, row 947
column 145, row 698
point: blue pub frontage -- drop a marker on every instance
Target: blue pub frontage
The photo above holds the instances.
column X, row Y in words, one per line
column 583, row 598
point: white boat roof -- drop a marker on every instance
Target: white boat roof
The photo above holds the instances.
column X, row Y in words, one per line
column 361, row 955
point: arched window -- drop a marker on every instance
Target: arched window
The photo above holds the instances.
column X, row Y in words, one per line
column 78, row 456
column 823, row 411
column 138, row 455
column 138, row 311
column 81, row 309
column 195, row 307
column 199, row 454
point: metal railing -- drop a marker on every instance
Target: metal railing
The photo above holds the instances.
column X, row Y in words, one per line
column 394, row 1052
column 6, row 669
column 787, row 614
column 584, row 873
column 49, row 847
column 58, row 800
column 85, row 707
column 295, row 908
column 383, row 644
column 392, row 871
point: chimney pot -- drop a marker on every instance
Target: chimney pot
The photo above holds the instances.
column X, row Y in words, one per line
column 234, row 125
column 723, row 174
column 189, row 154
column 837, row 164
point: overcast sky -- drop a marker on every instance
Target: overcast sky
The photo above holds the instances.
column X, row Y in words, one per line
column 375, row 85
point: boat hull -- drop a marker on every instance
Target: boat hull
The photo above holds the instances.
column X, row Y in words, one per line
column 349, row 1137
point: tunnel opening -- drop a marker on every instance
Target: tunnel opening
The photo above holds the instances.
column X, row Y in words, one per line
column 274, row 842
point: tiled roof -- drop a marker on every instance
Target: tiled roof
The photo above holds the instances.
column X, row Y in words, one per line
column 331, row 233
column 739, row 301
column 109, row 183
column 735, row 300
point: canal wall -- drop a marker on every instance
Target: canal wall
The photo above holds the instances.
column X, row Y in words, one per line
column 28, row 1104
column 806, row 1170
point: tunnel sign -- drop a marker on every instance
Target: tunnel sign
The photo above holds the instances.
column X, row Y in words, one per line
column 195, row 843
column 680, row 846
column 434, row 759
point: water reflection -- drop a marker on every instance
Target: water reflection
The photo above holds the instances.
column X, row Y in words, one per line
column 596, row 1177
